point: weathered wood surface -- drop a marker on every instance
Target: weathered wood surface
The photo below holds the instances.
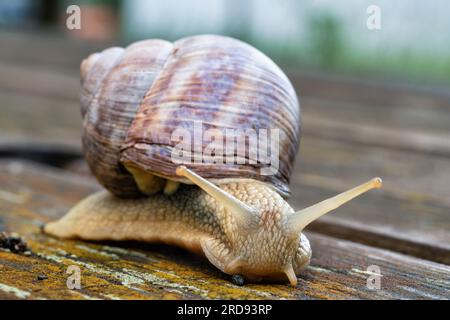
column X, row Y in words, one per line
column 410, row 214
column 41, row 67
column 400, row 134
column 32, row 194
column 352, row 130
column 398, row 217
column 46, row 49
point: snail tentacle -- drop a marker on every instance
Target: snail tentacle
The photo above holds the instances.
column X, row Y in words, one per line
column 305, row 216
column 134, row 100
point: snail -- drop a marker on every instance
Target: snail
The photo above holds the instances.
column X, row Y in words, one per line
column 134, row 98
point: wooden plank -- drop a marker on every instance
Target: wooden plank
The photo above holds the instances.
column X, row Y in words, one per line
column 55, row 50
column 337, row 165
column 404, row 216
column 410, row 214
column 386, row 114
column 32, row 194
column 408, row 117
column 49, row 49
column 39, row 128
column 58, row 121
column 366, row 122
column 39, row 80
column 340, row 126
column 421, row 126
column 406, row 175
column 366, row 90
column 47, row 128
column 429, row 118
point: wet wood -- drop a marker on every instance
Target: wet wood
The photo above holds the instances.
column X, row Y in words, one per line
column 32, row 194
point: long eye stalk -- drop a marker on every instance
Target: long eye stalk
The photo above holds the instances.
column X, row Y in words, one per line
column 289, row 271
column 239, row 209
column 304, row 217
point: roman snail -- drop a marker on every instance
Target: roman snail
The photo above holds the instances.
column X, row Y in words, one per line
column 133, row 99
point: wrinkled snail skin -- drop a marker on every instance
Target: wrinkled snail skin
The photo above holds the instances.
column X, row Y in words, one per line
column 133, row 98
column 244, row 227
column 195, row 221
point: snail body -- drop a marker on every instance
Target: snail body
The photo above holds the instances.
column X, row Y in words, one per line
column 133, row 99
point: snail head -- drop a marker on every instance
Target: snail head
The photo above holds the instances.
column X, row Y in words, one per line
column 263, row 233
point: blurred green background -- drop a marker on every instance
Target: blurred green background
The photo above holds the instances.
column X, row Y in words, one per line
column 413, row 44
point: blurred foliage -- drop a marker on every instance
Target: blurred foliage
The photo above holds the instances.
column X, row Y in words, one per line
column 415, row 67
column 325, row 40
column 326, row 49
column 324, row 45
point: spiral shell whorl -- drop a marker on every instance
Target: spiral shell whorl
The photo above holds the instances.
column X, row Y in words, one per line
column 222, row 83
column 113, row 85
column 132, row 99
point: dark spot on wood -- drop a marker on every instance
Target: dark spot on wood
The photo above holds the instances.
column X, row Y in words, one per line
column 13, row 243
column 41, row 277
column 238, row 280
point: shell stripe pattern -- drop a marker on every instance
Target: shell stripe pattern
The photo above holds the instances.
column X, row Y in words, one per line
column 135, row 101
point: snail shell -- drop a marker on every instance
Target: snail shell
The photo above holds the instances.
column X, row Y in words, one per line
column 133, row 99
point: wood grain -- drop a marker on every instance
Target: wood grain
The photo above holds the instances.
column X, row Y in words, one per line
column 49, row 49
column 39, row 118
column 369, row 91
column 407, row 217
column 31, row 195
column 353, row 129
column 410, row 214
column 38, row 80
